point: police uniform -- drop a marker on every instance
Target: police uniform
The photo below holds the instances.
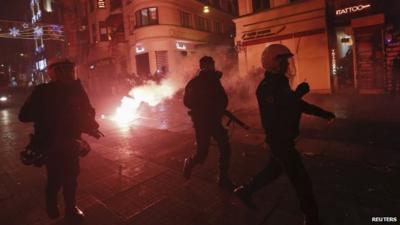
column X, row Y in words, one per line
column 59, row 110
column 280, row 110
column 207, row 101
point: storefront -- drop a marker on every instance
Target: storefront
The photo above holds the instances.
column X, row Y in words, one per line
column 356, row 45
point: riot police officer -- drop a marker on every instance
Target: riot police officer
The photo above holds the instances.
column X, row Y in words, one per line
column 207, row 101
column 281, row 110
column 60, row 111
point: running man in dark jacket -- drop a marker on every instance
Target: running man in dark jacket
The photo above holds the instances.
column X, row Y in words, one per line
column 207, row 101
column 60, row 111
column 280, row 110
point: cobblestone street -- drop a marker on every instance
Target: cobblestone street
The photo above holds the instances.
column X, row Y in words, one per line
column 133, row 175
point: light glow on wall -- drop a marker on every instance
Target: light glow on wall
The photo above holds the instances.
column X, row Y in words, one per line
column 206, row 9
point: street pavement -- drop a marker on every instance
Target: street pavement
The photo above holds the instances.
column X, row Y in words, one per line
column 133, row 175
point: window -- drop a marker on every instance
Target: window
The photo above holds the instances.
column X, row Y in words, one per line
column 202, row 23
column 148, row 16
column 185, row 19
column 218, row 27
column 259, row 5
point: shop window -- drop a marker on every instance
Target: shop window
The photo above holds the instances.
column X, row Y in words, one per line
column 185, row 19
column 259, row 5
column 145, row 17
column 202, row 23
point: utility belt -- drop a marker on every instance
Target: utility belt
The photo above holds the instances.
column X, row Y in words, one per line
column 38, row 151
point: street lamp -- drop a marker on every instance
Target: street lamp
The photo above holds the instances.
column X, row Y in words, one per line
column 206, row 9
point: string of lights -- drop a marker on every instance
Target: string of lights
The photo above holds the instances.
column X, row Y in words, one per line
column 23, row 30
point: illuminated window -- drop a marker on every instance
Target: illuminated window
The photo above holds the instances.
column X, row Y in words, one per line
column 101, row 4
column 259, row 5
column 148, row 16
column 186, row 19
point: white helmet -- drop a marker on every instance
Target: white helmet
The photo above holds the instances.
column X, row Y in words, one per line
column 270, row 56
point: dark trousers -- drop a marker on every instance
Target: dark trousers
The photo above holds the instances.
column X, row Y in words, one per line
column 204, row 132
column 62, row 172
column 284, row 157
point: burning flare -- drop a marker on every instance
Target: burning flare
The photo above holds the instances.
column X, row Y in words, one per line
column 150, row 93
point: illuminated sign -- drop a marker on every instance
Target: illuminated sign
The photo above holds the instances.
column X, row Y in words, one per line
column 41, row 65
column 352, row 9
column 180, row 46
column 139, row 49
column 101, row 4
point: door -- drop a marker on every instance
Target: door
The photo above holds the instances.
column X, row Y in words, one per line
column 369, row 59
column 143, row 65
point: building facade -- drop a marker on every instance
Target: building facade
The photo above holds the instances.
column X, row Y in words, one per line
column 338, row 45
column 163, row 33
column 115, row 39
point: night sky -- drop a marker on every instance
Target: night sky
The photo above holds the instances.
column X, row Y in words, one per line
column 17, row 10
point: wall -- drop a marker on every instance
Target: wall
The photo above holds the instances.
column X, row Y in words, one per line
column 300, row 26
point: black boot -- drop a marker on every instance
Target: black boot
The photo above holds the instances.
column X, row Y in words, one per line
column 52, row 211
column 187, row 168
column 51, row 205
column 244, row 194
column 74, row 215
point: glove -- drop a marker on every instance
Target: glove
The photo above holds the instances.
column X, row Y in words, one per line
column 330, row 117
column 302, row 89
column 219, row 74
